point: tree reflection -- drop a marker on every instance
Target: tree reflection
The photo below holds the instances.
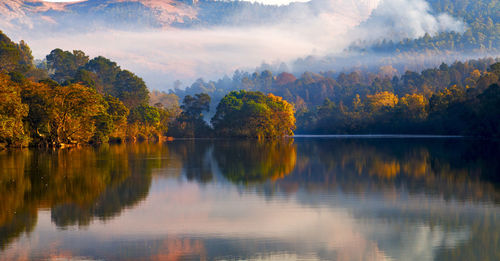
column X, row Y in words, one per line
column 33, row 180
column 139, row 161
column 196, row 159
column 78, row 184
column 450, row 168
column 255, row 162
column 444, row 186
column 426, row 171
column 20, row 222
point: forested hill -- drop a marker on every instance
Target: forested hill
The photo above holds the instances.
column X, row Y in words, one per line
column 482, row 33
column 213, row 38
column 481, row 18
column 143, row 15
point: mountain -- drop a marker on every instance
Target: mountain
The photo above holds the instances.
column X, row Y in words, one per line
column 38, row 15
column 168, row 40
column 33, row 15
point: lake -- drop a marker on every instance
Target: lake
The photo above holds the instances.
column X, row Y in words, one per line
column 311, row 198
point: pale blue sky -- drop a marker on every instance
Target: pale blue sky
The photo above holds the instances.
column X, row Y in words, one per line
column 279, row 2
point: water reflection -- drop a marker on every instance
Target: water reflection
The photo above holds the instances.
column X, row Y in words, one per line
column 451, row 169
column 341, row 199
column 251, row 162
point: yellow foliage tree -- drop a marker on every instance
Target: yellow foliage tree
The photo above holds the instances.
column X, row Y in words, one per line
column 381, row 100
column 254, row 115
column 282, row 116
column 414, row 106
column 65, row 114
column 12, row 112
column 74, row 108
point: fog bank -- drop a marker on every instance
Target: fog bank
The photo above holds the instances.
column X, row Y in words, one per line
column 319, row 28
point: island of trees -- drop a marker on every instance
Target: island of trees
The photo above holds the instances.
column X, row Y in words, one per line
column 70, row 99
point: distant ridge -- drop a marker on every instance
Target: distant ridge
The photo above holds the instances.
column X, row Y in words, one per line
column 86, row 15
column 78, row 15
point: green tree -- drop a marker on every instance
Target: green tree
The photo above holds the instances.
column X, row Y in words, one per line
column 488, row 116
column 106, row 72
column 191, row 123
column 119, row 113
column 254, row 115
column 144, row 121
column 109, row 78
column 193, row 107
column 130, row 89
column 17, row 57
column 64, row 65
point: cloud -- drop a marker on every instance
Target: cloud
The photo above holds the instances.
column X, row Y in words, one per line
column 399, row 19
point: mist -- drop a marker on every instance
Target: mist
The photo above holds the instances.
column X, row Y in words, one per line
column 320, row 28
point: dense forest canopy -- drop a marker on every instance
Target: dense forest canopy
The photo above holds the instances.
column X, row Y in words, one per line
column 70, row 99
column 442, row 100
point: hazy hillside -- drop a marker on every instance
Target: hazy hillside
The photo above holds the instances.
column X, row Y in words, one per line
column 168, row 40
column 36, row 15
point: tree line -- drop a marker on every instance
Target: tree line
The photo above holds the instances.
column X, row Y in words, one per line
column 71, row 99
column 457, row 99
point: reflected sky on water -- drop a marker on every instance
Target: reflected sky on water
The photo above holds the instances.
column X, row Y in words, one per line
column 307, row 199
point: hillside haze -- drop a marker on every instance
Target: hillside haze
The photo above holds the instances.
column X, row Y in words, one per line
column 168, row 40
column 34, row 15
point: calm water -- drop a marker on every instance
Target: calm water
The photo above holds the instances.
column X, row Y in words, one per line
column 309, row 199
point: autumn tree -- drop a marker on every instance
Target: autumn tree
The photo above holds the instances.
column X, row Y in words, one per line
column 118, row 113
column 254, row 115
column 72, row 114
column 12, row 112
column 413, row 107
column 381, row 101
